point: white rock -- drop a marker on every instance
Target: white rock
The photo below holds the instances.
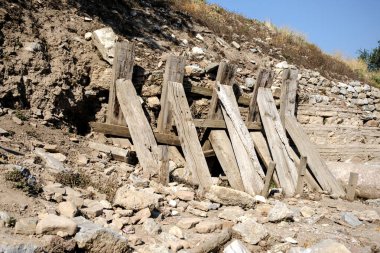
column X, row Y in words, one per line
column 176, row 231
column 88, row 36
column 250, row 231
column 104, row 39
column 172, row 203
column 67, row 209
column 236, row 45
column 260, row 199
column 135, row 200
column 199, row 37
column 282, row 65
column 280, row 212
column 56, row 225
column 197, row 51
column 236, row 247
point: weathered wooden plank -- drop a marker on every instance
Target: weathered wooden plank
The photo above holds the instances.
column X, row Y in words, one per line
column 141, row 132
column 351, row 187
column 288, row 97
column 174, row 72
column 268, row 179
column 278, row 143
column 264, row 79
column 249, row 166
column 122, row 68
column 119, row 154
column 262, row 150
column 215, row 123
column 163, row 174
column 121, row 131
column 229, row 165
column 314, row 160
column 225, row 76
column 207, row 92
column 301, row 174
column 188, row 135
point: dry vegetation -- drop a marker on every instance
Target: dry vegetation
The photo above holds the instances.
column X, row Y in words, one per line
column 294, row 47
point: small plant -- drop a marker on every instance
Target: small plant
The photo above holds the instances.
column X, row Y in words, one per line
column 72, row 179
column 23, row 181
column 21, row 115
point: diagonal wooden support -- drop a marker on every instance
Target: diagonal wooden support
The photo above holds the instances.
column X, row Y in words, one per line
column 288, row 96
column 122, row 69
column 278, row 142
column 244, row 149
column 351, row 187
column 268, row 179
column 142, row 135
column 301, row 174
column 188, row 135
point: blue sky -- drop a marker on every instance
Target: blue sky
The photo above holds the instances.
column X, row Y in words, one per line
column 334, row 25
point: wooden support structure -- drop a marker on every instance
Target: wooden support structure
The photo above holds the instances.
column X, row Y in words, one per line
column 268, row 179
column 244, row 149
column 223, row 151
column 163, row 174
column 122, row 69
column 316, row 164
column 207, row 92
column 351, row 187
column 301, row 174
column 188, row 135
column 264, row 79
column 142, row 135
column 288, row 97
column 278, row 143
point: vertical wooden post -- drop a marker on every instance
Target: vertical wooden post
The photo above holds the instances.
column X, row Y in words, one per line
column 122, row 69
column 301, row 174
column 351, row 188
column 163, row 174
column 174, row 72
column 268, row 178
column 284, row 95
column 224, row 76
column 264, row 79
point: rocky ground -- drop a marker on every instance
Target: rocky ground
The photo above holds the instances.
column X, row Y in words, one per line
column 59, row 195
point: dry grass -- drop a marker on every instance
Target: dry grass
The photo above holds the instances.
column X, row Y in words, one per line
column 294, row 47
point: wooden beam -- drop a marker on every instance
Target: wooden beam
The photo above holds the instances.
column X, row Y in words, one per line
column 225, row 76
column 207, row 92
column 221, row 124
column 316, row 164
column 122, row 68
column 174, row 72
column 142, row 135
column 291, row 82
column 301, row 174
column 268, row 179
column 188, row 135
column 169, row 139
column 223, row 149
column 351, row 187
column 264, row 79
column 163, row 174
column 277, row 140
column 249, row 166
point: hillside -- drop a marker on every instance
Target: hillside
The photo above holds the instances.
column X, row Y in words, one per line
column 66, row 187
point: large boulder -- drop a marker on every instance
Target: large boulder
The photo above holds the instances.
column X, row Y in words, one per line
column 95, row 238
column 230, row 197
column 56, row 225
column 132, row 199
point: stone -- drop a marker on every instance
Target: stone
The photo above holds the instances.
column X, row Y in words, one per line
column 194, row 70
column 204, row 206
column 104, row 40
column 26, row 226
column 260, row 199
column 95, row 238
column 56, row 225
column 32, row 46
column 172, row 203
column 282, row 65
column 5, row 217
column 88, row 35
column 329, row 246
column 93, row 210
column 67, row 209
column 19, row 248
column 230, row 197
column 369, row 215
column 51, row 148
column 236, row 247
column 82, row 159
column 231, row 213
column 153, row 102
column 187, row 223
column 196, row 212
column 250, row 82
column 54, row 191
column 107, row 205
column 177, row 232
column 141, row 216
column 208, row 226
column 152, row 227
column 50, row 162
column 351, row 219
column 199, row 37
column 276, row 91
column 307, row 211
column 212, row 67
column 236, row 45
column 250, row 231
column 343, row 91
column 280, row 212
column 101, row 78
column 17, row 120
column 335, row 90
column 185, row 195
column 132, row 199
column 197, row 52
